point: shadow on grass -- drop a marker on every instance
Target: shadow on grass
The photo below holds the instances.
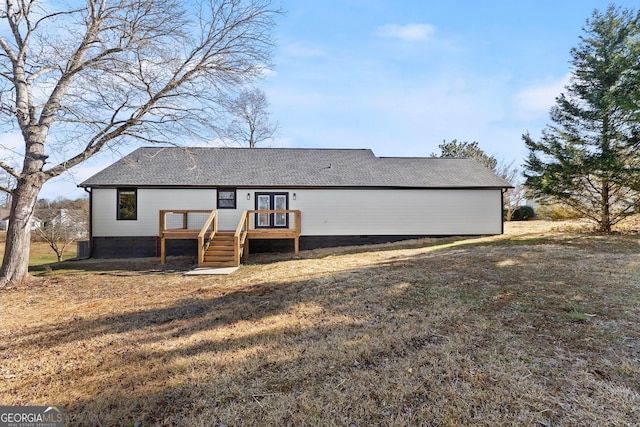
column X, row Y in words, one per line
column 193, row 357
column 186, row 263
column 116, row 266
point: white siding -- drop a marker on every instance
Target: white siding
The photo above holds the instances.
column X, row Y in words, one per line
column 150, row 203
column 325, row 212
column 229, row 218
column 399, row 212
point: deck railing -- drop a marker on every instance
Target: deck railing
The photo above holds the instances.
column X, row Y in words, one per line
column 181, row 224
column 240, row 238
column 203, row 226
column 182, row 221
column 292, row 226
column 208, row 231
column 291, row 231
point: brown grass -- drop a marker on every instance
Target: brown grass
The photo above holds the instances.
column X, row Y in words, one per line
column 536, row 327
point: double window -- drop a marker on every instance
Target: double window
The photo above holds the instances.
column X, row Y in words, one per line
column 226, row 198
column 127, row 204
column 272, row 201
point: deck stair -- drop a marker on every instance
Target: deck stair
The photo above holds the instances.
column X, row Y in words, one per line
column 220, row 252
column 218, row 248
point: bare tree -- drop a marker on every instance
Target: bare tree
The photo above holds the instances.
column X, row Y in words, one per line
column 513, row 197
column 77, row 77
column 250, row 122
column 60, row 227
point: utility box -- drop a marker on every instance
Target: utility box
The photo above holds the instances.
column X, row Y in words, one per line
column 83, row 249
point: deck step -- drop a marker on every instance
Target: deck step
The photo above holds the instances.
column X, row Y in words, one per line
column 220, row 252
column 218, row 257
column 217, row 264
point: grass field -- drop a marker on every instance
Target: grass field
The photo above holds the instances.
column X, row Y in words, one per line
column 41, row 253
column 538, row 327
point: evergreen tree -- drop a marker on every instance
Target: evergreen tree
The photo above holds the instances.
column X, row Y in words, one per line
column 588, row 159
column 469, row 150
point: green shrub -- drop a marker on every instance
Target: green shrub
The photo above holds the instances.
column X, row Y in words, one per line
column 522, row 213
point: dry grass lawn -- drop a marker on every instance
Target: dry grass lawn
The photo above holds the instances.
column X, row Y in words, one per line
column 538, row 327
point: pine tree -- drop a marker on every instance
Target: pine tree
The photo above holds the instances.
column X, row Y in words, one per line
column 588, row 159
column 466, row 149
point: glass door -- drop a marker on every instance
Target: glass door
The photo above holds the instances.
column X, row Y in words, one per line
column 280, row 203
column 263, row 202
column 272, row 201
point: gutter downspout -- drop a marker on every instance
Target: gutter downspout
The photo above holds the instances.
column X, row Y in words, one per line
column 502, row 192
column 90, row 221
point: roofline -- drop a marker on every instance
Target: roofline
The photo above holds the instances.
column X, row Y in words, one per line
column 306, row 187
column 186, row 147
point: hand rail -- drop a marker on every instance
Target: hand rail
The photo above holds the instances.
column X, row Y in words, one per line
column 203, row 243
column 239, row 238
column 205, row 236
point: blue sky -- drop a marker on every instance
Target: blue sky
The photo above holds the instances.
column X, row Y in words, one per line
column 401, row 76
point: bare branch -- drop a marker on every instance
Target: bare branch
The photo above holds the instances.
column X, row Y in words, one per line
column 9, row 170
column 5, row 189
column 78, row 81
column 7, row 49
column 40, row 73
column 250, row 123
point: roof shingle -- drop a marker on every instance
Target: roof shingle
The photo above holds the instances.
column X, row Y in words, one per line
column 288, row 167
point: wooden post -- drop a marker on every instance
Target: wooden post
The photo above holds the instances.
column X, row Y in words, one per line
column 298, row 228
column 163, row 255
column 247, row 222
column 236, row 250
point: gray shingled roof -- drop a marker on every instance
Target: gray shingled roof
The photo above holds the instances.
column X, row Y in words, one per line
column 288, row 167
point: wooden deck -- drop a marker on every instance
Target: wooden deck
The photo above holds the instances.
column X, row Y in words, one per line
column 219, row 247
column 181, row 234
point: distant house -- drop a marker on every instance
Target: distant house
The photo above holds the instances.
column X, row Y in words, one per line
column 4, row 219
column 4, row 224
column 159, row 201
column 73, row 221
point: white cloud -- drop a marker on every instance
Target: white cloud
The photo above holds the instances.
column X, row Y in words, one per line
column 408, row 32
column 537, row 99
column 298, row 50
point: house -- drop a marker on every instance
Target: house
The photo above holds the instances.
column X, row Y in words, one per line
column 71, row 224
column 160, row 201
column 4, row 224
column 4, row 219
column 73, row 220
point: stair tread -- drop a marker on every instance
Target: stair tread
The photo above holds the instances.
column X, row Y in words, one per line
column 221, row 250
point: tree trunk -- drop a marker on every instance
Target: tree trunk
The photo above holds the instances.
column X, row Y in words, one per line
column 605, row 214
column 15, row 265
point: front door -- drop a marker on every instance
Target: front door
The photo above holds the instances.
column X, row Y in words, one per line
column 272, row 201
